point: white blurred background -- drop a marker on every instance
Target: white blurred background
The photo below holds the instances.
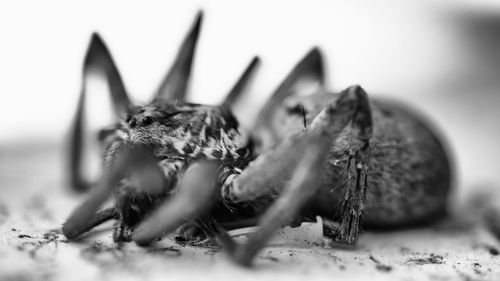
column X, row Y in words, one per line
column 443, row 57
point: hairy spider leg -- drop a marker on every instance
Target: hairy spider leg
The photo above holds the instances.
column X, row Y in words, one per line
column 354, row 195
column 309, row 151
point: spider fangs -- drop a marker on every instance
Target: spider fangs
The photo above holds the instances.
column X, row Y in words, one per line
column 343, row 157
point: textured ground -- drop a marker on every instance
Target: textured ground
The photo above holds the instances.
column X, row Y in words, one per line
column 33, row 204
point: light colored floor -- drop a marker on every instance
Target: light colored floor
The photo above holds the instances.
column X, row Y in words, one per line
column 33, row 204
column 452, row 79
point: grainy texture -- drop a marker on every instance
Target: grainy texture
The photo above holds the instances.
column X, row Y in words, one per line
column 455, row 249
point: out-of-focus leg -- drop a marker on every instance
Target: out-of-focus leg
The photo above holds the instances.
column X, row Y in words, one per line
column 196, row 193
column 134, row 162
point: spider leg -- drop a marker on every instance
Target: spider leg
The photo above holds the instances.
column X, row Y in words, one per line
column 309, row 151
column 100, row 217
column 97, row 59
column 77, row 181
column 306, row 77
column 175, row 83
column 237, row 90
column 195, row 194
column 297, row 193
column 357, row 171
column 131, row 162
column 265, row 176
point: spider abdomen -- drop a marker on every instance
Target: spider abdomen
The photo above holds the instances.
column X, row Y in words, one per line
column 409, row 174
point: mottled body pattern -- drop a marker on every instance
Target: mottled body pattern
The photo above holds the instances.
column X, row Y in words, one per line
column 177, row 135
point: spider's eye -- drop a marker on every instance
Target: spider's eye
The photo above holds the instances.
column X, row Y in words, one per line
column 147, row 121
column 127, row 119
column 132, row 122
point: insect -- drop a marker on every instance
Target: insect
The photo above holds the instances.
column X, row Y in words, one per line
column 172, row 165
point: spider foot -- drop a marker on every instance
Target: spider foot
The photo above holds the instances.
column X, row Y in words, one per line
column 122, row 233
column 346, row 233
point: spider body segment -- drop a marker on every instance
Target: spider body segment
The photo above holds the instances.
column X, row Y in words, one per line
column 177, row 135
column 176, row 165
column 409, row 173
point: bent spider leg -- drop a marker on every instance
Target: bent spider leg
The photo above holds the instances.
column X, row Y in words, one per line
column 134, row 204
column 194, row 196
column 78, row 221
column 97, row 59
column 135, row 162
column 300, row 189
column 237, row 90
column 261, row 179
column 99, row 218
column 357, row 170
column 306, row 77
column 175, row 83
column 102, row 216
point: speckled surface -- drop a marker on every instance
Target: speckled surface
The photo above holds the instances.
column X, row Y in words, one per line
column 33, row 207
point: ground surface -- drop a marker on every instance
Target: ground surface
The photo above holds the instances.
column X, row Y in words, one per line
column 33, row 204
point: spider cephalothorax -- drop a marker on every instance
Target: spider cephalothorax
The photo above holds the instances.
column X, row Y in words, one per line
column 183, row 132
column 341, row 156
column 177, row 135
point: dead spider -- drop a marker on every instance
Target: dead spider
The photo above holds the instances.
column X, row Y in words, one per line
column 176, row 165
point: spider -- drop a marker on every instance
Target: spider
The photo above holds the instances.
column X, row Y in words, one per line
column 172, row 165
